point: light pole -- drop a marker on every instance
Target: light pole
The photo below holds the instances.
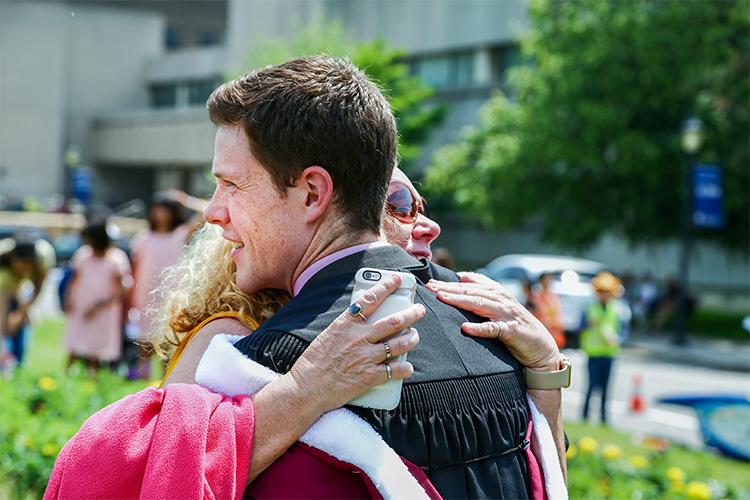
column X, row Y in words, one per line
column 71, row 159
column 692, row 138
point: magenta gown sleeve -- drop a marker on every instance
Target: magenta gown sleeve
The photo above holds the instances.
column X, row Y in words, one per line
column 179, row 442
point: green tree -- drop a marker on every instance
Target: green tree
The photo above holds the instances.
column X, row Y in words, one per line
column 589, row 139
column 408, row 95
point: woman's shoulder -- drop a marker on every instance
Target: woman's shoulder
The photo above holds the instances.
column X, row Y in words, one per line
column 228, row 325
column 83, row 253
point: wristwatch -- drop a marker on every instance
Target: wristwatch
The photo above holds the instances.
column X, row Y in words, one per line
column 549, row 380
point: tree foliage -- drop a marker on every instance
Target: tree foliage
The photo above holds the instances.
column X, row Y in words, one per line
column 408, row 95
column 590, row 138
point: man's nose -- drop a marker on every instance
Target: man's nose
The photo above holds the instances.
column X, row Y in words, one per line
column 215, row 212
column 425, row 229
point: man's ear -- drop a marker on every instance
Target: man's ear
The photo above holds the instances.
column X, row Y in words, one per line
column 317, row 186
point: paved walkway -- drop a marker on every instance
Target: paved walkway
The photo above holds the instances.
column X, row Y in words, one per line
column 711, row 353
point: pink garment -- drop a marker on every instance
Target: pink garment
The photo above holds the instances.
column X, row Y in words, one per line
column 536, row 474
column 330, row 259
column 179, row 442
column 152, row 253
column 96, row 278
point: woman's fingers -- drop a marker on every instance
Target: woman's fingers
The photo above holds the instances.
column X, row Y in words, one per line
column 457, row 287
column 488, row 330
column 483, row 304
column 394, row 323
column 377, row 294
column 399, row 370
column 396, row 347
column 469, row 277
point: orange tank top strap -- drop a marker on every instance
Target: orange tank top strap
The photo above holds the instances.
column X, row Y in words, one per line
column 243, row 318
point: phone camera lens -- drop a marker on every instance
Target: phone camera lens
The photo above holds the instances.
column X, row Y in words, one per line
column 371, row 276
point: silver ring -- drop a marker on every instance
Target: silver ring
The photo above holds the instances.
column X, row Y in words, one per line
column 388, row 371
column 387, row 350
column 355, row 310
column 501, row 332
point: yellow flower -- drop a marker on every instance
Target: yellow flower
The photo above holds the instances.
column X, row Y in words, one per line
column 572, row 451
column 611, row 452
column 47, row 384
column 675, row 474
column 49, row 450
column 639, row 461
column 696, row 490
column 587, row 445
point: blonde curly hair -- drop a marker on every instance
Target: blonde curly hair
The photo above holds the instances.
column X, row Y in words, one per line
column 200, row 285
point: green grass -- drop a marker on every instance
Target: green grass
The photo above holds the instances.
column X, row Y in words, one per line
column 718, row 324
column 698, row 465
column 47, row 355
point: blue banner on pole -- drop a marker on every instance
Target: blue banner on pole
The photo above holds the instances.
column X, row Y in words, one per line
column 708, row 196
column 82, row 184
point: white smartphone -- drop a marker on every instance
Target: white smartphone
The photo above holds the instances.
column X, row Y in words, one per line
column 385, row 396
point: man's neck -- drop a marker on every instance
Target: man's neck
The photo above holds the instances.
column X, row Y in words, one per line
column 322, row 246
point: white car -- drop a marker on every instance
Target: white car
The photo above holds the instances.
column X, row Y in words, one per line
column 571, row 279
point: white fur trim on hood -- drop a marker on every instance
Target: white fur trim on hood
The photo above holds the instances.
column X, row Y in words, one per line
column 225, row 370
column 545, row 451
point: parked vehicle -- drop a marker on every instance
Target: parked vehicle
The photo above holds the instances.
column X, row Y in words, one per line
column 571, row 281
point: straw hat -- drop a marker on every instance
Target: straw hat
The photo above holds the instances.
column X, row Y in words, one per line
column 606, row 282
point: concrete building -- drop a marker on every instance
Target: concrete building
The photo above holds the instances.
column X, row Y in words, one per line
column 119, row 86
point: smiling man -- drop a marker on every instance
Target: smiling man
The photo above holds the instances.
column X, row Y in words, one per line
column 304, row 155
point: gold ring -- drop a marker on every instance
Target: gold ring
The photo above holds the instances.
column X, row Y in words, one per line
column 387, row 350
column 355, row 310
column 388, row 371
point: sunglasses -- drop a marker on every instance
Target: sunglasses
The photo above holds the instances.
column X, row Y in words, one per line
column 403, row 204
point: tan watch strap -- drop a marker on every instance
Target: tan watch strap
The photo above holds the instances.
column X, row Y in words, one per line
column 549, row 380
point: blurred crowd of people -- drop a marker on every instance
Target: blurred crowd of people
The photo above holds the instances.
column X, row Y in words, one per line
column 107, row 284
column 104, row 290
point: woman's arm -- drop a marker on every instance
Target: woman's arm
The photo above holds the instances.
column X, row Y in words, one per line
column 343, row 361
column 184, row 370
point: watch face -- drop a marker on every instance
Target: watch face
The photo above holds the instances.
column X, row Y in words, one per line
column 729, row 428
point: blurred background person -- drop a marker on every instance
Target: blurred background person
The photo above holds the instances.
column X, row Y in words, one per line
column 21, row 261
column 153, row 250
column 600, row 339
column 443, row 257
column 548, row 310
column 646, row 294
column 667, row 303
column 528, row 296
column 94, row 299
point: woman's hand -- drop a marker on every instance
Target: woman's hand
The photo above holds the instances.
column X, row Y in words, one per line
column 345, row 360
column 348, row 357
column 524, row 335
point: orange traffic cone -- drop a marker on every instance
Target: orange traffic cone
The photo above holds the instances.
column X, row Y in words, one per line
column 636, row 399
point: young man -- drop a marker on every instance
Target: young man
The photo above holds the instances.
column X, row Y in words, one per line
column 303, row 157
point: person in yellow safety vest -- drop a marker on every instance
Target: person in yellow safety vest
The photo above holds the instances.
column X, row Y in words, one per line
column 600, row 340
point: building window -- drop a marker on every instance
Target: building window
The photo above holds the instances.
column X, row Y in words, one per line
column 198, row 91
column 208, row 38
column 182, row 94
column 445, row 71
column 504, row 58
column 164, row 95
column 171, row 38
